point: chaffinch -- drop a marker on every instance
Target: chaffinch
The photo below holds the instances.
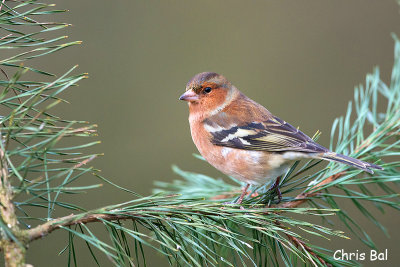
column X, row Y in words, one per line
column 243, row 139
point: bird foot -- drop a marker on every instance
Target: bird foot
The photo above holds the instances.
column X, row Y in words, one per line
column 275, row 187
column 240, row 199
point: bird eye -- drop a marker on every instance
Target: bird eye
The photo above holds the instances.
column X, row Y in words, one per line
column 207, row 89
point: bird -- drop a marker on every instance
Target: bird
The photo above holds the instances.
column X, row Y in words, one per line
column 243, row 139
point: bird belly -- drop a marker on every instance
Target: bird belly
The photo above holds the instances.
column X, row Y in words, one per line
column 253, row 167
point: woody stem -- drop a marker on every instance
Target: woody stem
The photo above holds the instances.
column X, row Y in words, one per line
column 14, row 253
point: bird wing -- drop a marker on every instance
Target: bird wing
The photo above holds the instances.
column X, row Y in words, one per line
column 272, row 135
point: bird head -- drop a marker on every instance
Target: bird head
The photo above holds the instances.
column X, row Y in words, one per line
column 207, row 92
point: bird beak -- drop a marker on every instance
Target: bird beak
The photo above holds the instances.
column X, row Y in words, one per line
column 189, row 96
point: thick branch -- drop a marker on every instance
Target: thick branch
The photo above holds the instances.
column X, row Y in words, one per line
column 14, row 254
column 6, row 193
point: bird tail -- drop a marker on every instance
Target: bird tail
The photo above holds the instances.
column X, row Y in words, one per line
column 365, row 166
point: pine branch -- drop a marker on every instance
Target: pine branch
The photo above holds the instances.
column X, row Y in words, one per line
column 14, row 252
column 28, row 122
column 304, row 196
column 299, row 243
column 44, row 229
column 213, row 219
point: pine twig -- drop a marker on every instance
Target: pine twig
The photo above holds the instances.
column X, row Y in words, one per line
column 304, row 197
column 298, row 243
column 72, row 219
column 299, row 199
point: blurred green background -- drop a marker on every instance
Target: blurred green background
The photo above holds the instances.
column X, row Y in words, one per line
column 300, row 59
